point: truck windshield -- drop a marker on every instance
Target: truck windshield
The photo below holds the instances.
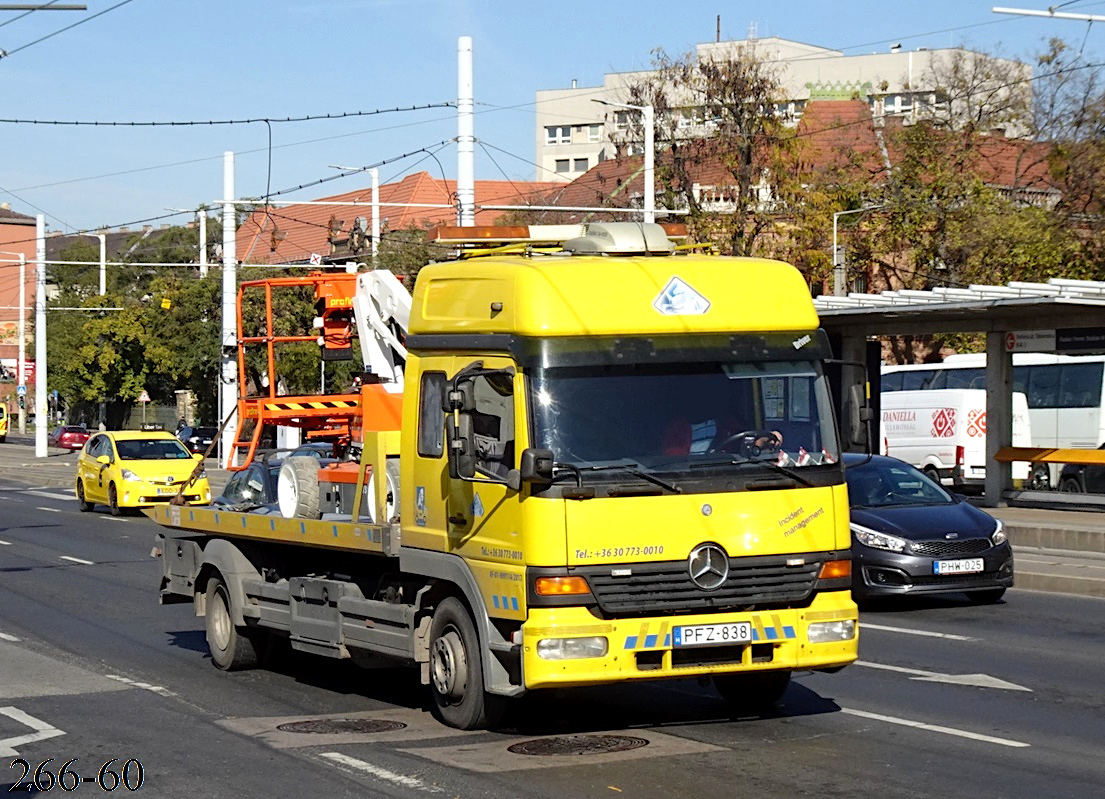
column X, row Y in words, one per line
column 685, row 416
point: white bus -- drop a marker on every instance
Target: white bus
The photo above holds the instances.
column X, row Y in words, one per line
column 1064, row 393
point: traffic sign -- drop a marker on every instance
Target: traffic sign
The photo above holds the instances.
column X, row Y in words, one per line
column 315, row 259
column 21, row 391
column 144, row 396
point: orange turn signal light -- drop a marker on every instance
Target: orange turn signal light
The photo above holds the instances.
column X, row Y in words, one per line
column 836, row 568
column 561, row 586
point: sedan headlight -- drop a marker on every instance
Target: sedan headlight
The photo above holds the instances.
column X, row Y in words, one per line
column 998, row 536
column 129, row 475
column 877, row 540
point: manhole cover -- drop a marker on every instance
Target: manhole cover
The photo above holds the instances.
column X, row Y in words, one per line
column 578, row 745
column 331, row 726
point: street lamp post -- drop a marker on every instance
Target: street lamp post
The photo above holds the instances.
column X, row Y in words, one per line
column 648, row 120
column 839, row 271
column 103, row 258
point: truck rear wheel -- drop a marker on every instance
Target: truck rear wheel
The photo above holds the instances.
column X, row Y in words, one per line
column 231, row 649
column 297, row 491
column 752, row 694
column 456, row 671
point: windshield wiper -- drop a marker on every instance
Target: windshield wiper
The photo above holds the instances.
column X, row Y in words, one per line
column 634, row 469
column 768, row 464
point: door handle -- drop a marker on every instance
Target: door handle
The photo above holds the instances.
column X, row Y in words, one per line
column 458, row 520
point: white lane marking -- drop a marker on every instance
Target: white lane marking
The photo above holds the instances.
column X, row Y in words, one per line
column 51, row 495
column 978, row 680
column 77, row 560
column 381, row 773
column 157, row 689
column 8, row 637
column 908, row 631
column 42, row 731
column 920, row 725
column 5, row 543
column 52, row 510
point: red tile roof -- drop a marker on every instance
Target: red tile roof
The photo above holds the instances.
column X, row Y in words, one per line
column 304, row 229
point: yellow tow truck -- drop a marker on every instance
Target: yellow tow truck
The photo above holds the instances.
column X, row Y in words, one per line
column 616, row 461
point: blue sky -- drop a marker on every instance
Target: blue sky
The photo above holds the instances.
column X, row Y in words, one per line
column 194, row 60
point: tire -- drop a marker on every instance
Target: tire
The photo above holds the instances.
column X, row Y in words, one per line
column 1039, row 478
column 297, row 491
column 987, row 597
column 752, row 694
column 1071, row 485
column 456, row 671
column 231, row 648
column 113, row 500
column 83, row 505
column 933, row 474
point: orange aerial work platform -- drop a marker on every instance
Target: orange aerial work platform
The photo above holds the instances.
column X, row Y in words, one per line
column 340, row 418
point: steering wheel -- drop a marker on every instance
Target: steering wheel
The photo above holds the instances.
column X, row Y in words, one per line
column 748, row 440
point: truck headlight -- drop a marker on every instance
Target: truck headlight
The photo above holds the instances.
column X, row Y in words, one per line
column 998, row 536
column 571, row 648
column 129, row 475
column 824, row 632
column 877, row 540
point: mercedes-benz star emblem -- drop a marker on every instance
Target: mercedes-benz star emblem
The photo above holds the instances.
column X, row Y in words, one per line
column 708, row 566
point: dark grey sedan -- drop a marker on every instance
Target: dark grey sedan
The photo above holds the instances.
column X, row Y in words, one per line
column 911, row 537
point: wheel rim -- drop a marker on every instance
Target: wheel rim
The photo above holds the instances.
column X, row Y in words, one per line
column 449, row 665
column 80, row 492
column 113, row 496
column 220, row 621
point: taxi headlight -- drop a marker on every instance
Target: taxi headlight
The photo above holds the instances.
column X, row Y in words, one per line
column 129, row 475
column 824, row 632
column 998, row 536
column 571, row 648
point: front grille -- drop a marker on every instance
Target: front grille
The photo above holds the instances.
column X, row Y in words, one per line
column 983, row 578
column 943, row 548
column 666, row 587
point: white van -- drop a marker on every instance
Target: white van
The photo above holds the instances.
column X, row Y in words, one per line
column 943, row 433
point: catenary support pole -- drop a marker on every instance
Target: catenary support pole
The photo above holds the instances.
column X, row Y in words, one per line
column 41, row 412
column 202, row 214
column 21, row 371
column 228, row 372
column 466, row 139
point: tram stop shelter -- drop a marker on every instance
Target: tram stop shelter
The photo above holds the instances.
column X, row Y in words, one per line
column 1064, row 316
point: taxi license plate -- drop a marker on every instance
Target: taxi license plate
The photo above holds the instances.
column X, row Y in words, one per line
column 170, row 490
column 966, row 566
column 737, row 632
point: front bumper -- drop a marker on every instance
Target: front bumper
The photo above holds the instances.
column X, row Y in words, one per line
column 641, row 649
column 141, row 494
column 879, row 573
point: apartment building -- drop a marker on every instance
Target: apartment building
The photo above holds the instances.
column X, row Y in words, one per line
column 575, row 130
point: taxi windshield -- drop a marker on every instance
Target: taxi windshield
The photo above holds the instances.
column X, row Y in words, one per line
column 151, row 450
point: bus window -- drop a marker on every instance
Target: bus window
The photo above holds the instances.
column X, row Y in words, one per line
column 1043, row 386
column 916, row 379
column 1080, row 385
column 966, row 378
column 891, row 381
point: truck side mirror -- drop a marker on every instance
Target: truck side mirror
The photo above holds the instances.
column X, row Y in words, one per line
column 537, row 465
column 461, row 447
column 859, row 416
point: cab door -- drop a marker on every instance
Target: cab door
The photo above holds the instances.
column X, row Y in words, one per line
column 483, row 514
column 90, row 471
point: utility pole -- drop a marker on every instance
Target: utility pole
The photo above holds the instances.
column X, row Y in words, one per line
column 840, row 269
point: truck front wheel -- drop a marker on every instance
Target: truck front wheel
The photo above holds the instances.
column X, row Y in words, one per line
column 456, row 671
column 231, row 649
column 752, row 694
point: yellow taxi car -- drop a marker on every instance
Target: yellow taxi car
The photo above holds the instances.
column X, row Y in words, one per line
column 133, row 469
column 3, row 422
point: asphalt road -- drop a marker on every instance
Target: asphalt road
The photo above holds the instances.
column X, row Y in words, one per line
column 949, row 699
